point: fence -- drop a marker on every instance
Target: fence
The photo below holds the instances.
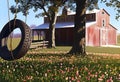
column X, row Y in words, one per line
column 41, row 44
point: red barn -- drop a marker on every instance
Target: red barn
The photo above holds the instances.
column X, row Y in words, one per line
column 99, row 31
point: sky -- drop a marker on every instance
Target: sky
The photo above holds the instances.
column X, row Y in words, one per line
column 31, row 20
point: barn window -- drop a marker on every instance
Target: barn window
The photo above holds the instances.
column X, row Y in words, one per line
column 103, row 23
column 102, row 12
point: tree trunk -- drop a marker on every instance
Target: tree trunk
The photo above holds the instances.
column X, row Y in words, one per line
column 79, row 29
column 52, row 30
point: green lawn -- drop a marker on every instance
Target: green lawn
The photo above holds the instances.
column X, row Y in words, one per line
column 66, row 49
column 109, row 50
column 53, row 65
column 60, row 68
column 13, row 42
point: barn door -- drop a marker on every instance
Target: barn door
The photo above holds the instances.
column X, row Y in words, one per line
column 103, row 37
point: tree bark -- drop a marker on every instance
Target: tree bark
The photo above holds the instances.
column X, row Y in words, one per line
column 79, row 29
column 52, row 30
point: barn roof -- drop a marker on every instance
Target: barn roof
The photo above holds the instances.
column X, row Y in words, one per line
column 113, row 27
column 61, row 25
column 92, row 11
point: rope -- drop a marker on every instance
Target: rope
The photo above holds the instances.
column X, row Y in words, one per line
column 15, row 16
column 11, row 35
column 26, row 12
column 26, row 16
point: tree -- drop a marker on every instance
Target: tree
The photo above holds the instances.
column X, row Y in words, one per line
column 50, row 9
column 79, row 29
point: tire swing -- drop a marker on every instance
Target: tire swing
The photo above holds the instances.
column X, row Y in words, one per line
column 22, row 47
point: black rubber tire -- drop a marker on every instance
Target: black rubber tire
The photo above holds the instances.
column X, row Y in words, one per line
column 22, row 47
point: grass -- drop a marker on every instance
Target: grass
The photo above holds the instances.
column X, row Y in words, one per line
column 65, row 49
column 13, row 42
column 53, row 65
column 108, row 50
column 60, row 68
column 43, row 66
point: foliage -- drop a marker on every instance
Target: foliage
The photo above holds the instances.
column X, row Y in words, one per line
column 90, row 4
column 60, row 68
column 26, row 5
column 48, row 6
column 115, row 4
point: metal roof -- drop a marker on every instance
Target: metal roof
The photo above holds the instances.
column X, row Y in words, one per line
column 61, row 25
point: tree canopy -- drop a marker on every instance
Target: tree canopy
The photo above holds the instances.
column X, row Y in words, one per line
column 115, row 4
